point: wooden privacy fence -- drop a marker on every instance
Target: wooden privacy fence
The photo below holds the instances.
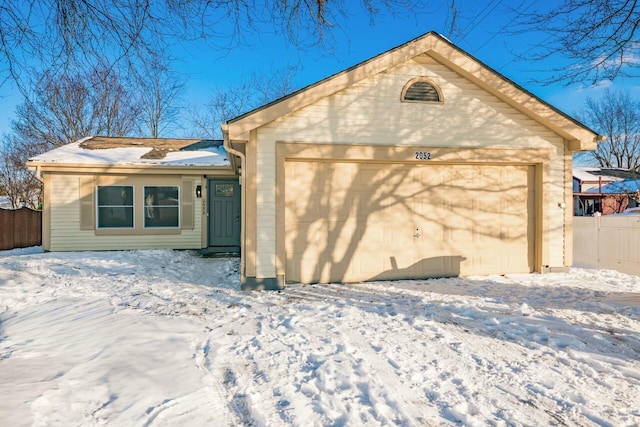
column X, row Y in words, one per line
column 611, row 242
column 20, row 228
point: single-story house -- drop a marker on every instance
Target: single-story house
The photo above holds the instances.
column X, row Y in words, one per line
column 419, row 162
column 604, row 190
column 105, row 193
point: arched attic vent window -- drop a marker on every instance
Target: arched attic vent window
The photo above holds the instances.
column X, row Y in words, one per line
column 421, row 90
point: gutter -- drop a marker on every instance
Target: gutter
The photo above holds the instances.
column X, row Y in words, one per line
column 227, row 146
column 243, row 220
column 38, row 172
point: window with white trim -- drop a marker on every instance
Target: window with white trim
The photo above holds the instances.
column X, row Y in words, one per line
column 115, row 206
column 162, row 206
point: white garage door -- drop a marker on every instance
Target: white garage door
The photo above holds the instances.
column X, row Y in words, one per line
column 348, row 222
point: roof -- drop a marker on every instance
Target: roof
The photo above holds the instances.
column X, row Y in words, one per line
column 100, row 150
column 592, row 173
column 437, row 47
column 625, row 186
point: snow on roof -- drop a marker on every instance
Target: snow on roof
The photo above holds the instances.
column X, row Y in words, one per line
column 625, row 186
column 594, row 173
column 138, row 151
column 619, row 187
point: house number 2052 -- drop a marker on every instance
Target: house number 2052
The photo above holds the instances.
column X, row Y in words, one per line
column 423, row 155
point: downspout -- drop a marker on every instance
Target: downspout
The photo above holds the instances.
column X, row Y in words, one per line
column 230, row 150
column 38, row 172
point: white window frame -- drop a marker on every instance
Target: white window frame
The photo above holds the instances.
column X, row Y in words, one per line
column 132, row 206
column 178, row 207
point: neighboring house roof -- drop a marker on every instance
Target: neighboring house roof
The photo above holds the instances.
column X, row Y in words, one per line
column 160, row 152
column 595, row 174
column 430, row 46
column 626, row 186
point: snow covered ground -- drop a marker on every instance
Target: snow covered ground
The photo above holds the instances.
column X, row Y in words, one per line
column 150, row 338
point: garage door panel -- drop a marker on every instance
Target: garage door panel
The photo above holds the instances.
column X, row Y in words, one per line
column 460, row 236
column 373, row 265
column 310, row 269
column 432, row 230
column 354, row 221
column 365, row 176
column 322, row 237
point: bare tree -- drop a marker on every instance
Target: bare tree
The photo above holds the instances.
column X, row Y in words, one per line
column 66, row 35
column 160, row 91
column 19, row 184
column 250, row 92
column 598, row 38
column 115, row 105
column 66, row 108
column 63, row 109
column 617, row 116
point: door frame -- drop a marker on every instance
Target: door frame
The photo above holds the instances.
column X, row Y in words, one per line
column 234, row 249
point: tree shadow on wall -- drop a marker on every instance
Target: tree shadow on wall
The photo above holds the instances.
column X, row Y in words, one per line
column 350, row 221
column 435, row 267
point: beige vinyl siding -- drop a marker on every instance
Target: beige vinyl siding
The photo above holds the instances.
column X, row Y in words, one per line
column 46, row 215
column 87, row 202
column 187, row 196
column 67, row 235
column 370, row 113
column 554, row 213
column 266, row 200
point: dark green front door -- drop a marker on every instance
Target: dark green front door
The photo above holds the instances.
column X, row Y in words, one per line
column 224, row 214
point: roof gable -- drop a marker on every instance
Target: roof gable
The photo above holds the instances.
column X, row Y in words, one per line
column 428, row 47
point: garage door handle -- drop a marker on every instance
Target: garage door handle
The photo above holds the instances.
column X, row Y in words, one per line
column 417, row 233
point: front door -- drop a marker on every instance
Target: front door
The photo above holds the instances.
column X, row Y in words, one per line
column 224, row 214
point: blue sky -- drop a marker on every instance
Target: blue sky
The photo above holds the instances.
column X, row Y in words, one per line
column 355, row 39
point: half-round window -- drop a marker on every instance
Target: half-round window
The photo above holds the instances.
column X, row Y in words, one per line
column 421, row 90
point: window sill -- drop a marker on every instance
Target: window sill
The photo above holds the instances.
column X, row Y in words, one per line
column 137, row 232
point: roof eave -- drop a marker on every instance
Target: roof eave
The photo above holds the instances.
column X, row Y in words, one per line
column 578, row 136
column 240, row 126
column 84, row 168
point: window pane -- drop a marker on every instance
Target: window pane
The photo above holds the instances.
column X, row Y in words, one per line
column 115, row 206
column 115, row 195
column 115, row 217
column 161, row 216
column 161, row 196
column 224, row 190
column 161, row 206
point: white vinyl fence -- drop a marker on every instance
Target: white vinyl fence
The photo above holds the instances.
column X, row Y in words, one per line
column 611, row 242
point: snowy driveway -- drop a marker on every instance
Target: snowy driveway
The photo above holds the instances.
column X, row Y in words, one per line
column 166, row 338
